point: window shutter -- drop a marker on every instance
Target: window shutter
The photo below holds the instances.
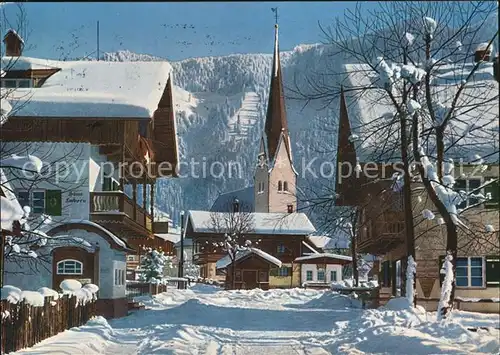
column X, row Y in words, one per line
column 440, row 265
column 493, row 271
column 53, row 203
column 495, row 195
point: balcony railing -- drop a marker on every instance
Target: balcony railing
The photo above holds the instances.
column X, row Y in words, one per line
column 382, row 238
column 116, row 202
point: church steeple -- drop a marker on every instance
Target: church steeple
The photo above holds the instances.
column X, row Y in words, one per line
column 276, row 122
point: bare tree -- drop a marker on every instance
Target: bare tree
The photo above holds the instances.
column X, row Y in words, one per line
column 416, row 62
column 235, row 226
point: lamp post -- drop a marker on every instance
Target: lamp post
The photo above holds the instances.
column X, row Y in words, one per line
column 180, row 284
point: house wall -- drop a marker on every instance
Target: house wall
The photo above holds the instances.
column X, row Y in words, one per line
column 314, row 269
column 430, row 244
column 109, row 260
column 286, row 281
column 282, row 171
column 261, row 200
column 71, row 161
column 100, row 167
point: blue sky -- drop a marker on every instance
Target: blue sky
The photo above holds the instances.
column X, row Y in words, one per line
column 173, row 30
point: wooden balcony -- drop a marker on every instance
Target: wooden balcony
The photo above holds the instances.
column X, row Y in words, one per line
column 117, row 212
column 382, row 238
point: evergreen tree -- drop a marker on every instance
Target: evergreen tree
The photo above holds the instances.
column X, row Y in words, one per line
column 153, row 264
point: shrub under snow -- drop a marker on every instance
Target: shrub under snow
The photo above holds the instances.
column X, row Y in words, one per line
column 449, row 278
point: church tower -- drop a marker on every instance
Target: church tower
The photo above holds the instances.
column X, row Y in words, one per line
column 275, row 176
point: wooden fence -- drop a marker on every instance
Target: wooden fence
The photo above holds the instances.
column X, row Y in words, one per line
column 135, row 289
column 23, row 325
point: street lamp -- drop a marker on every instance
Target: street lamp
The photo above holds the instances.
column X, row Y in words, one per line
column 180, row 284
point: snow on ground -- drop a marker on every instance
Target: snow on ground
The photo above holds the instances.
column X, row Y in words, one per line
column 207, row 320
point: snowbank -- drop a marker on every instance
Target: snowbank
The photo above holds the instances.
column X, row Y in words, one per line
column 48, row 292
column 11, row 293
column 70, row 286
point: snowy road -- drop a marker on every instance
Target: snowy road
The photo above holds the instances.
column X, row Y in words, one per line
column 207, row 321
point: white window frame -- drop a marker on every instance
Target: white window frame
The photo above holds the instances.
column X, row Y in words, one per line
column 321, row 270
column 469, row 190
column 280, row 248
column 31, row 200
column 62, row 262
column 333, row 273
column 307, row 275
column 469, row 273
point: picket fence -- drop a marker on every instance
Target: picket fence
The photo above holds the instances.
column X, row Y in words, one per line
column 24, row 325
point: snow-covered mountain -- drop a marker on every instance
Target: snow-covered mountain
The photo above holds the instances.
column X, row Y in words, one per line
column 221, row 103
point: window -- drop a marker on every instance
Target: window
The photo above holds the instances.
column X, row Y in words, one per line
column 280, row 186
column 468, row 186
column 69, row 267
column 470, row 272
column 119, row 277
column 494, row 190
column 280, row 248
column 309, row 275
column 289, row 208
column 263, row 276
column 333, row 276
column 283, row 271
column 130, row 257
column 41, row 201
column 34, row 199
column 321, row 274
column 285, row 186
column 16, row 83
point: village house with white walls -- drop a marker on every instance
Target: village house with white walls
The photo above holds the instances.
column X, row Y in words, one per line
column 382, row 218
column 91, row 120
column 274, row 227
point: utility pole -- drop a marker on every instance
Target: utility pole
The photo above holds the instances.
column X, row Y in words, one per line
column 181, row 285
column 97, row 40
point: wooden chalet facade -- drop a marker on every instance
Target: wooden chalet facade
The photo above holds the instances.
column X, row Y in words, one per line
column 382, row 228
column 118, row 121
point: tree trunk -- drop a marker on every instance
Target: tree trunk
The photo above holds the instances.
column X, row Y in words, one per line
column 354, row 255
column 407, row 203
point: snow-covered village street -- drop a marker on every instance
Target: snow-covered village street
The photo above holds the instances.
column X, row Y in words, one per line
column 206, row 320
column 203, row 178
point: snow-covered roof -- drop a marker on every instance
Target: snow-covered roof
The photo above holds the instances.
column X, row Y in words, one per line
column 260, row 223
column 90, row 88
column 245, row 196
column 483, row 46
column 324, row 255
column 169, row 237
column 115, row 238
column 226, row 260
column 319, row 241
column 314, row 251
column 366, row 108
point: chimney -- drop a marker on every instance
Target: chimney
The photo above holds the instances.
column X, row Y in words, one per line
column 482, row 54
column 13, row 44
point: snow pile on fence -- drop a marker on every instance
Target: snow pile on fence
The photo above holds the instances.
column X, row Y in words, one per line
column 84, row 294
